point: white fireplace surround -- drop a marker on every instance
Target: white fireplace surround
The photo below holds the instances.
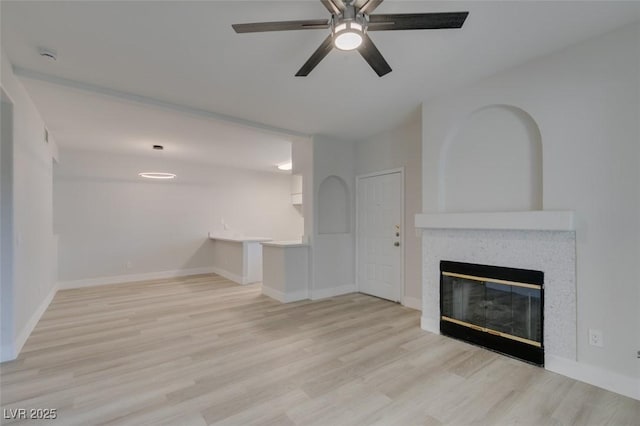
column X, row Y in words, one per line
column 543, row 241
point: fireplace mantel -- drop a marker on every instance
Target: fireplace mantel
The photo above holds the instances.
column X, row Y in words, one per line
column 542, row 220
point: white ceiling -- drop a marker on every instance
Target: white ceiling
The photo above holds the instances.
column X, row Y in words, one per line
column 186, row 53
column 90, row 121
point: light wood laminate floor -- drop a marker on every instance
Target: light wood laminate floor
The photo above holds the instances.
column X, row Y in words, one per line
column 202, row 350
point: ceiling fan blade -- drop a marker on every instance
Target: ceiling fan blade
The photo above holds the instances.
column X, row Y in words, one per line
column 316, row 57
column 258, row 27
column 372, row 55
column 333, row 6
column 367, row 6
column 416, row 21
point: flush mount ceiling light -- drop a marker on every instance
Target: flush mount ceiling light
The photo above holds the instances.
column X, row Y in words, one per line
column 157, row 175
column 350, row 22
column 285, row 166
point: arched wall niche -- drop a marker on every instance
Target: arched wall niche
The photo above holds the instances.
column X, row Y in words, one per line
column 333, row 206
column 493, row 162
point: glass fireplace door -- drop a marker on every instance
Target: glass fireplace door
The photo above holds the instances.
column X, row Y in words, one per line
column 508, row 309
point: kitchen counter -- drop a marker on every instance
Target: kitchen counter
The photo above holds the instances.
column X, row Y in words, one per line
column 292, row 243
column 238, row 258
column 238, row 239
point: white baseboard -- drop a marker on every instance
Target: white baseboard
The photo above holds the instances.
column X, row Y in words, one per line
column 273, row 293
column 323, row 293
column 412, row 302
column 285, row 297
column 24, row 334
column 230, row 275
column 429, row 324
column 120, row 279
column 596, row 376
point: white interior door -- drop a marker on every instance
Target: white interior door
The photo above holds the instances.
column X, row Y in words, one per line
column 379, row 235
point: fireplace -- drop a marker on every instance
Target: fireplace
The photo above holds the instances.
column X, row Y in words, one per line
column 496, row 307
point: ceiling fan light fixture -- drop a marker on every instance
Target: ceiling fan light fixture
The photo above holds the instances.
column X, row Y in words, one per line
column 347, row 35
column 350, row 23
column 348, row 40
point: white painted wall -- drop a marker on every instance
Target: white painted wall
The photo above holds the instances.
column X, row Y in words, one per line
column 274, row 272
column 302, row 165
column 285, row 272
column 112, row 223
column 33, row 261
column 493, row 163
column 227, row 257
column 6, row 228
column 333, row 255
column 239, row 260
column 585, row 100
column 401, row 147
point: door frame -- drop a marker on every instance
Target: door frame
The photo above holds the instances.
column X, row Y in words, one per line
column 357, row 231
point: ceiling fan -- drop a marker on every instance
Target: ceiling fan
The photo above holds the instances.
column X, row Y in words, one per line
column 350, row 22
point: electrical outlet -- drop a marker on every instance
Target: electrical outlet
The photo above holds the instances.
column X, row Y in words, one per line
column 129, row 265
column 596, row 338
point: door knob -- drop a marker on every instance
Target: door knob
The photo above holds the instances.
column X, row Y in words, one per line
column 397, row 244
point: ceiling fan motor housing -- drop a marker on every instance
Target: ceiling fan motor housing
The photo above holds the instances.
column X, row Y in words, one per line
column 348, row 28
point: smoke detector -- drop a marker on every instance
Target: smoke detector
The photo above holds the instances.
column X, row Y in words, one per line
column 49, row 54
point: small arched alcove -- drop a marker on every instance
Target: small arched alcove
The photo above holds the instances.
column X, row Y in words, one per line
column 493, row 163
column 333, row 206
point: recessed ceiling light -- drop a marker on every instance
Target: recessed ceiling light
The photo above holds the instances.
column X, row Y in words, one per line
column 157, row 175
column 285, row 166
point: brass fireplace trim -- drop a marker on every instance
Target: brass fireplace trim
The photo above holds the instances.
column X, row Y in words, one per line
column 491, row 331
column 493, row 280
